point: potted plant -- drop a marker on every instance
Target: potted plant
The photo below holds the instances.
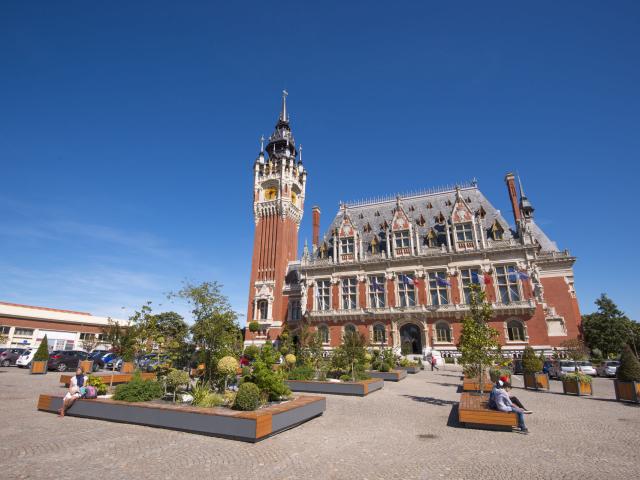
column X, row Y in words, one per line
column 127, row 361
column 627, row 382
column 41, row 358
column 576, row 383
column 532, row 370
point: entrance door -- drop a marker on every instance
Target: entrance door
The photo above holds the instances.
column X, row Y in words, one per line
column 410, row 339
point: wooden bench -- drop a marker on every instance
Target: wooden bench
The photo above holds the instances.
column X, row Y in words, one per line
column 473, row 410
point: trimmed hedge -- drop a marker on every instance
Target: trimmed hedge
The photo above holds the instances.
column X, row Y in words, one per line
column 248, row 397
column 629, row 369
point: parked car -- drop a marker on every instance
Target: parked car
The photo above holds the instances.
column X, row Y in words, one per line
column 96, row 357
column 547, row 366
column 24, row 360
column 587, row 368
column 114, row 364
column 155, row 362
column 608, row 368
column 144, row 360
column 9, row 356
column 63, row 360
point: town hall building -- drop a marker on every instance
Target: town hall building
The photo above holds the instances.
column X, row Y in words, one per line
column 399, row 270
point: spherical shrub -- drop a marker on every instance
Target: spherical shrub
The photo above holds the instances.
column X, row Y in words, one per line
column 368, row 357
column 254, row 326
column 228, row 365
column 248, row 397
column 290, row 359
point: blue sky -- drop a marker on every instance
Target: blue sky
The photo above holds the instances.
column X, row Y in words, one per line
column 129, row 129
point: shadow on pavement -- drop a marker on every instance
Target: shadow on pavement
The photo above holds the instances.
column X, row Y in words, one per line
column 431, row 400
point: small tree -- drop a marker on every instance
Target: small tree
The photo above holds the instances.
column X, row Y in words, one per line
column 175, row 379
column 576, row 350
column 228, row 367
column 531, row 363
column 478, row 345
column 351, row 355
column 42, row 354
column 629, row 369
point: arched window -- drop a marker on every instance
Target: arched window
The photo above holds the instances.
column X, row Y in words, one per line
column 443, row 332
column 263, row 309
column 379, row 333
column 323, row 332
column 515, row 330
column 349, row 327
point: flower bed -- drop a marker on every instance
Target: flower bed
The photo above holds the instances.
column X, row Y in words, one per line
column 392, row 376
column 359, row 388
column 218, row 422
column 118, row 378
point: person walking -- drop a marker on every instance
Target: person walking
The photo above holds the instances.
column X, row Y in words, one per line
column 77, row 384
column 434, row 363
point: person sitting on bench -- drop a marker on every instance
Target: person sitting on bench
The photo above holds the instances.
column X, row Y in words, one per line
column 504, row 404
column 504, row 380
column 77, row 385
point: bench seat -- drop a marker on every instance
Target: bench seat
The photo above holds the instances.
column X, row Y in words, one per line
column 473, row 409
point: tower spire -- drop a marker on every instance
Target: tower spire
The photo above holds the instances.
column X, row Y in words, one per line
column 283, row 114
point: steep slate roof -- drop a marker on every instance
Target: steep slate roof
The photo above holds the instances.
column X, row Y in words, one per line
column 377, row 212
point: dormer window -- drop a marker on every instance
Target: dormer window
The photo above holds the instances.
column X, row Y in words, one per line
column 464, row 235
column 346, row 245
column 402, row 242
column 497, row 232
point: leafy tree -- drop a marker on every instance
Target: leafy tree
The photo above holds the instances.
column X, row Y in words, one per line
column 351, row 354
column 629, row 369
column 175, row 379
column 530, row 362
column 607, row 329
column 478, row 344
column 122, row 339
column 215, row 329
column 89, row 343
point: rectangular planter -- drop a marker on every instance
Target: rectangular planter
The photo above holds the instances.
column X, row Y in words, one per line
column 409, row 369
column 39, row 367
column 472, row 385
column 359, row 389
column 536, row 381
column 86, row 366
column 392, row 376
column 218, row 422
column 627, row 391
column 127, row 367
column 573, row 387
column 106, row 377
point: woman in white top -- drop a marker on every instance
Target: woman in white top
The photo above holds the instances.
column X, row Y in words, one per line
column 76, row 385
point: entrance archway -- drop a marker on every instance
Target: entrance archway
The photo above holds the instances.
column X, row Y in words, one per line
column 410, row 339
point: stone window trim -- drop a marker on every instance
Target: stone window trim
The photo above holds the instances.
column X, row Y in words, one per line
column 465, row 280
column 295, row 310
column 349, row 326
column 326, row 339
column 503, row 276
column 405, row 293
column 444, row 326
column 349, row 293
column 322, row 298
column 376, row 298
column 442, row 292
column 516, row 331
column 376, row 329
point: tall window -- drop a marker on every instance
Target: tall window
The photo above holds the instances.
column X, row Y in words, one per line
column 379, row 333
column 515, row 330
column 406, row 290
column 23, row 332
column 349, row 293
column 464, row 232
column 507, row 277
column 323, row 294
column 346, row 245
column 443, row 332
column 376, row 291
column 87, row 336
column 438, row 288
column 296, row 311
column 349, row 328
column 469, row 276
column 263, row 309
column 402, row 239
column 323, row 332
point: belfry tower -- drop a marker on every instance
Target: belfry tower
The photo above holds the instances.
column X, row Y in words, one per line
column 278, row 204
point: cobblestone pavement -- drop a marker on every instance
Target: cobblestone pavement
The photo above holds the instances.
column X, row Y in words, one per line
column 406, row 431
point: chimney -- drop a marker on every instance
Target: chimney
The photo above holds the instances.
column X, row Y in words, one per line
column 513, row 196
column 315, row 215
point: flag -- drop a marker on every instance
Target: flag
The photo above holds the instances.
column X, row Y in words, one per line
column 477, row 278
column 406, row 280
column 442, row 282
column 523, row 275
column 376, row 286
column 487, row 279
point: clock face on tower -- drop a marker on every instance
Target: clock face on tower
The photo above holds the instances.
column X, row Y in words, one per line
column 270, row 194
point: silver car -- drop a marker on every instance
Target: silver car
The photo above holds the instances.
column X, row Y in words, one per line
column 561, row 368
column 608, row 368
column 587, row 368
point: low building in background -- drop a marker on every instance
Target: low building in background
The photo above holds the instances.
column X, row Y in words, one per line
column 25, row 326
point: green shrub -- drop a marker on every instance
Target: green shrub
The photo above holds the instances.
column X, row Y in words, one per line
column 629, row 369
column 449, row 360
column 138, row 390
column 175, row 379
column 97, row 382
column 204, row 397
column 270, row 382
column 246, row 371
column 228, row 365
column 248, row 397
column 251, row 352
column 579, row 376
column 530, row 362
column 496, row 372
column 42, row 354
column 345, row 378
column 302, row 372
column 254, row 326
